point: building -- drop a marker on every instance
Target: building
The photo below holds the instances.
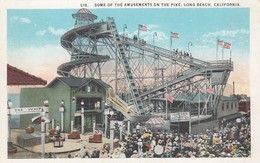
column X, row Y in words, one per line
column 69, row 94
column 17, row 77
column 228, row 109
column 244, row 105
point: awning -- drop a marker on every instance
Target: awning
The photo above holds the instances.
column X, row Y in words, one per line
column 39, row 119
column 155, row 121
column 231, row 116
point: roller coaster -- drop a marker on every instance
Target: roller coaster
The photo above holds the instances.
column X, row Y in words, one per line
column 140, row 73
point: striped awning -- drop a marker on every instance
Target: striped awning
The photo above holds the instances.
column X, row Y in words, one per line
column 39, row 119
column 155, row 121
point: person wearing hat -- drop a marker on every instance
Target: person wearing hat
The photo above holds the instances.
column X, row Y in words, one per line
column 138, row 128
column 134, row 155
column 57, row 135
column 140, row 146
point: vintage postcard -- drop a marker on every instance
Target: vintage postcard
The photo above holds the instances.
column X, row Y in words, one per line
column 132, row 80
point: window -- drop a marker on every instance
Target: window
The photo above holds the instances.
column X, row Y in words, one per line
column 88, row 89
column 93, row 89
column 227, row 105
column 89, row 103
column 83, row 89
column 232, row 105
column 223, row 106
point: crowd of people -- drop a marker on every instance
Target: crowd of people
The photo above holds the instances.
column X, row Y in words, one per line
column 182, row 54
column 232, row 139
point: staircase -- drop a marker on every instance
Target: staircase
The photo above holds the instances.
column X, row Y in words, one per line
column 128, row 72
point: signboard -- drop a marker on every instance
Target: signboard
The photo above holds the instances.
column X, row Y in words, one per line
column 28, row 110
column 181, row 116
column 174, row 116
column 184, row 115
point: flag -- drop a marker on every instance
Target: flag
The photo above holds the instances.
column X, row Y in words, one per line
column 142, row 27
column 220, row 42
column 169, row 97
column 175, row 35
column 227, row 45
column 210, row 90
column 204, row 91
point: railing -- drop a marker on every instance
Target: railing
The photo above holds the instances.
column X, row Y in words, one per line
column 167, row 53
column 228, row 64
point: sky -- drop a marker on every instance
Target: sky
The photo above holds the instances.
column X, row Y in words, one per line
column 33, row 35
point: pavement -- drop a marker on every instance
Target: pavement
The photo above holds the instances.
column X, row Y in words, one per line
column 69, row 145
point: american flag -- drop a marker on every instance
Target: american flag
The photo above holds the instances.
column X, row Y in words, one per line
column 169, row 97
column 175, row 35
column 220, row 42
column 142, row 27
column 227, row 45
column 204, row 91
column 210, row 90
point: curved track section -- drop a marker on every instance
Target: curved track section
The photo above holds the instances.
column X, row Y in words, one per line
column 75, row 40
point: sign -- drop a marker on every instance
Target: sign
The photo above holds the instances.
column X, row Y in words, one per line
column 180, row 116
column 174, row 116
column 184, row 115
column 27, row 110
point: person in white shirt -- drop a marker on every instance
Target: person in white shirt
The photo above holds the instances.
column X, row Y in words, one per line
column 140, row 146
column 138, row 128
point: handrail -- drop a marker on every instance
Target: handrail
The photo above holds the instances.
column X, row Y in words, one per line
column 168, row 54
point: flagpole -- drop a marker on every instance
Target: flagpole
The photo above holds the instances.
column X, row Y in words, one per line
column 138, row 32
column 217, row 49
column 199, row 105
column 222, row 53
column 171, row 42
column 230, row 55
column 166, row 110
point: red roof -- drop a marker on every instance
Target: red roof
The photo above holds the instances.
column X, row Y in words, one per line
column 16, row 76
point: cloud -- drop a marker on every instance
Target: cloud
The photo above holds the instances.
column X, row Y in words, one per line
column 148, row 35
column 151, row 26
column 25, row 20
column 56, row 32
column 226, row 33
column 22, row 19
column 41, row 32
column 40, row 61
column 237, row 36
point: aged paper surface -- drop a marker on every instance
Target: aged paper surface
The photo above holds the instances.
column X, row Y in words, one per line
column 243, row 34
